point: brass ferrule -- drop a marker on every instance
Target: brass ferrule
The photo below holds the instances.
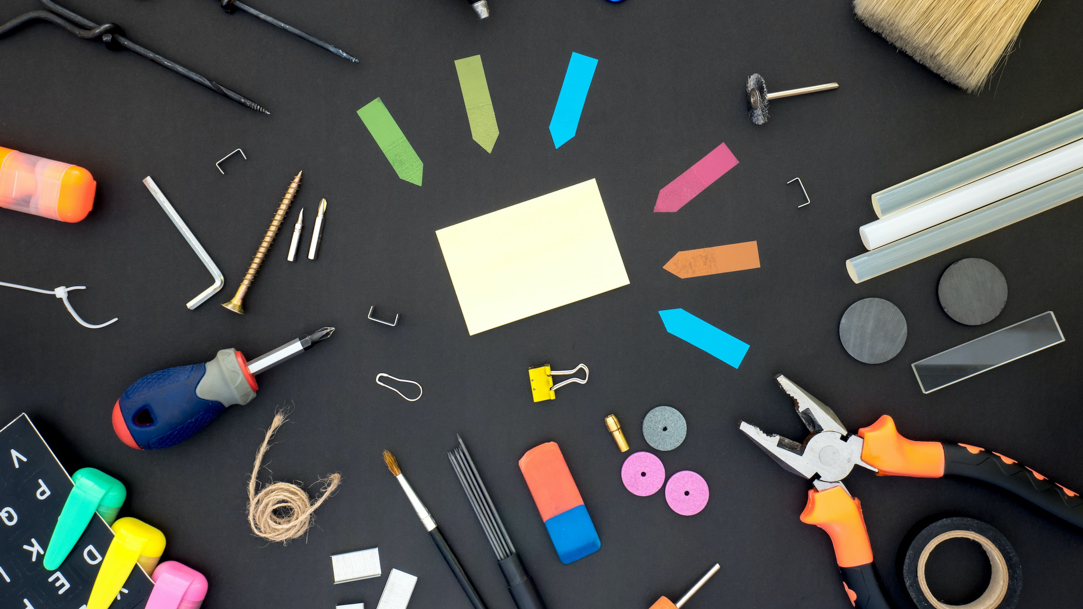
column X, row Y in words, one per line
column 613, row 425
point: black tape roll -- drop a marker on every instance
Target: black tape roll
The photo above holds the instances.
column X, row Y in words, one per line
column 1005, row 584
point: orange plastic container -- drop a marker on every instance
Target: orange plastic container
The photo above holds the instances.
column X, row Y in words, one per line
column 43, row 187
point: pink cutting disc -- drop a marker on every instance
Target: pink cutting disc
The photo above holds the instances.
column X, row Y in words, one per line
column 643, row 474
column 687, row 493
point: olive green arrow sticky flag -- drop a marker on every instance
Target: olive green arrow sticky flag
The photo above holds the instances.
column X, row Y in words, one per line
column 391, row 140
column 479, row 106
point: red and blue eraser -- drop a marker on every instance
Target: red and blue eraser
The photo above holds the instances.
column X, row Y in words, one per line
column 559, row 503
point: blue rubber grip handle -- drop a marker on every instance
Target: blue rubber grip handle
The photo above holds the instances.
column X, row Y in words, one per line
column 162, row 408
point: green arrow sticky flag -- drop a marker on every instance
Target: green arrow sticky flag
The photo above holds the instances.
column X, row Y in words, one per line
column 479, row 106
column 391, row 140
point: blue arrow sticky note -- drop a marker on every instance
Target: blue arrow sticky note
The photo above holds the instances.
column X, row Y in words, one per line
column 573, row 94
column 691, row 329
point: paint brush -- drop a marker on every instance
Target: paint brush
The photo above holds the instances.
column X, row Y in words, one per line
column 434, row 532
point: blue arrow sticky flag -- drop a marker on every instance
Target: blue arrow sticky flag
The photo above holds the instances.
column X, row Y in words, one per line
column 573, row 94
column 689, row 328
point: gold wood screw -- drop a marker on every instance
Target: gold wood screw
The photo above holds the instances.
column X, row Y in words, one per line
column 236, row 304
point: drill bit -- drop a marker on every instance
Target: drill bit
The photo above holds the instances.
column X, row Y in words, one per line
column 317, row 231
column 230, row 5
column 114, row 39
column 236, row 304
column 296, row 235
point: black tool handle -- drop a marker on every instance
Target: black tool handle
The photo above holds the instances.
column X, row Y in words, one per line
column 457, row 569
column 863, row 587
column 522, row 588
column 972, row 462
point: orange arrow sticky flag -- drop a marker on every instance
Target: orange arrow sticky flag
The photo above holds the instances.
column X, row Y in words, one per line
column 714, row 260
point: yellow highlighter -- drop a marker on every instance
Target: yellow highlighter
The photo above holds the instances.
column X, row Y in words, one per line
column 135, row 542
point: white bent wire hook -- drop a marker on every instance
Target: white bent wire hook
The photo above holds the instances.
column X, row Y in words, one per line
column 61, row 293
column 420, row 391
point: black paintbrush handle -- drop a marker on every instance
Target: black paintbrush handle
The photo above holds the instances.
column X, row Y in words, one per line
column 522, row 588
column 457, row 569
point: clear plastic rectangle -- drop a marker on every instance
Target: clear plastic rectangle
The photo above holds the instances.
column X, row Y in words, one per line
column 988, row 352
column 979, row 165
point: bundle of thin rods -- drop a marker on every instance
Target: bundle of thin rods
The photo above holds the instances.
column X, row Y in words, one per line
column 480, row 500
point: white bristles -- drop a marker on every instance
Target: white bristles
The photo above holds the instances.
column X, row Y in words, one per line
column 961, row 40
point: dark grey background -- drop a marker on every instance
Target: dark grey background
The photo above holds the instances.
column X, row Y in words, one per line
column 668, row 89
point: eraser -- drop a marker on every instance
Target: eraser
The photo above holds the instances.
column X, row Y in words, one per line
column 643, row 474
column 559, row 503
column 549, row 480
column 687, row 493
column 354, row 566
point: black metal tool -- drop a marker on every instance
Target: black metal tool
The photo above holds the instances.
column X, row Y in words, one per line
column 231, row 5
column 115, row 39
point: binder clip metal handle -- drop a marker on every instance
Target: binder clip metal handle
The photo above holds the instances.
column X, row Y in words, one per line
column 541, row 381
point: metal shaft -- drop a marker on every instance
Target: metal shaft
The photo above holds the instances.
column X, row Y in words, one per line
column 236, row 304
column 97, row 31
column 294, row 31
column 803, row 91
column 219, row 279
column 699, row 584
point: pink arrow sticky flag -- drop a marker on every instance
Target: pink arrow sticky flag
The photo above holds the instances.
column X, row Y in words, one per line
column 696, row 179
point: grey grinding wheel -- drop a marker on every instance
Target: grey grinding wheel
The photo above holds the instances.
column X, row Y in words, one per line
column 973, row 291
column 664, row 428
column 873, row 330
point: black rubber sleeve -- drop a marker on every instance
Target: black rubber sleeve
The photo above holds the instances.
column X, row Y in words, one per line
column 863, row 587
column 1012, row 477
column 522, row 588
column 457, row 569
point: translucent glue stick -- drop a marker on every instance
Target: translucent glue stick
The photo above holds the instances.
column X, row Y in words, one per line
column 45, row 188
column 135, row 542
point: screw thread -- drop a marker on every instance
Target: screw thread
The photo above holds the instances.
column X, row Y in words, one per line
column 268, row 238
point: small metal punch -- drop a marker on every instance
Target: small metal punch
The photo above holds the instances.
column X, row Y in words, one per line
column 219, row 279
column 799, row 183
column 219, row 163
column 380, row 321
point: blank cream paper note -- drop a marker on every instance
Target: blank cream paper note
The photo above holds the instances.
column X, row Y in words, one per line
column 532, row 257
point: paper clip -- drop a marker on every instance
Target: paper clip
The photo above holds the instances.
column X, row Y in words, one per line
column 380, row 321
column 420, row 391
column 61, row 293
column 541, row 381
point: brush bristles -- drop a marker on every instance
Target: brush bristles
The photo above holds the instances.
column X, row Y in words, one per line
column 961, row 40
column 392, row 463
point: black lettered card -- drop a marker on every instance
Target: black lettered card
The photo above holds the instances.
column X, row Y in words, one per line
column 33, row 488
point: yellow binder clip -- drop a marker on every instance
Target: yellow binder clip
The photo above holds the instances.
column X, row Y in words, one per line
column 541, row 381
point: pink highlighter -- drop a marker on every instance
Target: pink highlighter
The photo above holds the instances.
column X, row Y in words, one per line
column 177, row 587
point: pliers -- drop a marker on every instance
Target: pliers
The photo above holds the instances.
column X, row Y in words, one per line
column 830, row 453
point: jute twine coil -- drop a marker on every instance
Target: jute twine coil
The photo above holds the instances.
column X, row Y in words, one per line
column 282, row 511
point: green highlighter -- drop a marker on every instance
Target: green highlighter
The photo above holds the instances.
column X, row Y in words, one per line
column 94, row 491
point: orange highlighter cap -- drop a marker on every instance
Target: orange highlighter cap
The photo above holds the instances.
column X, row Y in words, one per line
column 46, row 188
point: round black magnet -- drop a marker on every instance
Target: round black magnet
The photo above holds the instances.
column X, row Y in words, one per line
column 873, row 330
column 1005, row 582
column 973, row 291
column 664, row 428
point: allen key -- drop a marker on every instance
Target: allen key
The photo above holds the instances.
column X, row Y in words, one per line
column 380, row 321
column 219, row 163
column 802, row 185
column 219, row 279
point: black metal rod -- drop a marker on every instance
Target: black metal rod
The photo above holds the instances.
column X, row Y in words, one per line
column 68, row 20
column 296, row 32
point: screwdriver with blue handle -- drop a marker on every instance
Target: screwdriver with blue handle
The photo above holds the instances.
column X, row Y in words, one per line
column 169, row 406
